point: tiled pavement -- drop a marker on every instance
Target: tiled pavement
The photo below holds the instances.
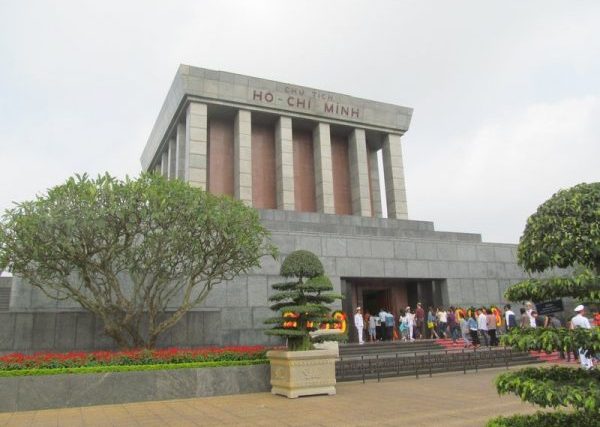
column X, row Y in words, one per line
column 453, row 399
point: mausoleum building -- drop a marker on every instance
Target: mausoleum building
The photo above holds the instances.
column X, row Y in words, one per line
column 316, row 165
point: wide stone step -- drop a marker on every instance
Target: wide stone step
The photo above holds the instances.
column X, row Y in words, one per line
column 389, row 347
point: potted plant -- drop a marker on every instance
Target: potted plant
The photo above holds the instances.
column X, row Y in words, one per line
column 302, row 370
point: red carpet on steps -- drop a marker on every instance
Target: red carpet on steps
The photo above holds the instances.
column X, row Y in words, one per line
column 553, row 358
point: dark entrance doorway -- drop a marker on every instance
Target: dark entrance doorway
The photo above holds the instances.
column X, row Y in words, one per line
column 373, row 294
column 374, row 300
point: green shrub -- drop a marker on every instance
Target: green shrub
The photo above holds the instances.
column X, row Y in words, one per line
column 547, row 419
column 128, row 368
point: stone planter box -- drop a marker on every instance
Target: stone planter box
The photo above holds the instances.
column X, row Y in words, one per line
column 72, row 390
column 303, row 373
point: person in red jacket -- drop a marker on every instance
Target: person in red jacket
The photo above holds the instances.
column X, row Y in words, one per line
column 420, row 320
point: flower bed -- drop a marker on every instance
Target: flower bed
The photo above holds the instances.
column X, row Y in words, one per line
column 140, row 357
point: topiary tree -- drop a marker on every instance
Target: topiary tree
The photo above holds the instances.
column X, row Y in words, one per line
column 137, row 253
column 301, row 303
column 564, row 232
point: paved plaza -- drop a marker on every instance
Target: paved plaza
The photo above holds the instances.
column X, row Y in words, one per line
column 453, row 399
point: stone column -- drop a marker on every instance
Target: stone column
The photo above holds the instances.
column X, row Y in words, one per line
column 284, row 158
column 172, row 158
column 242, row 156
column 375, row 190
column 164, row 163
column 181, row 153
column 323, row 168
column 359, row 173
column 394, row 177
column 196, row 145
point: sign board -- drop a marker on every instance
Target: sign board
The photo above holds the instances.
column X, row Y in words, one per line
column 549, row 307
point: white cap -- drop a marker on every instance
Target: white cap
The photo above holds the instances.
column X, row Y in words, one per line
column 357, row 308
column 578, row 308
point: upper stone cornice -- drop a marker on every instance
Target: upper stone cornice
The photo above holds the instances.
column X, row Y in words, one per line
column 220, row 87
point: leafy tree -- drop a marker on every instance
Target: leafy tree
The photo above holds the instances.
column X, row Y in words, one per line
column 301, row 302
column 129, row 250
column 564, row 232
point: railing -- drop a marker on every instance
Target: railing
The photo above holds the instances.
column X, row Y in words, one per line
column 351, row 368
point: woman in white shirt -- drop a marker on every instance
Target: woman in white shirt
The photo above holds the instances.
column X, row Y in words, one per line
column 410, row 320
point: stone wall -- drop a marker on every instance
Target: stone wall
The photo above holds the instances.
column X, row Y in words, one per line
column 77, row 330
column 74, row 390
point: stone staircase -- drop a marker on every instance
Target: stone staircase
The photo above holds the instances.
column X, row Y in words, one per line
column 553, row 357
column 421, row 357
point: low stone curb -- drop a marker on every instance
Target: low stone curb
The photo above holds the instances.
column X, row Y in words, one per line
column 74, row 390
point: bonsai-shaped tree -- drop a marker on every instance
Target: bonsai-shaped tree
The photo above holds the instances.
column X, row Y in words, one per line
column 301, row 302
column 563, row 233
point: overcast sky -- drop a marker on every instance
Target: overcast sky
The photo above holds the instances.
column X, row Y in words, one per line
column 506, row 94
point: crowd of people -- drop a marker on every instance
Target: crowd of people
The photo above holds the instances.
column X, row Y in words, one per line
column 475, row 327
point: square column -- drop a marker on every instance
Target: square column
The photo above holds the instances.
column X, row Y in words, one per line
column 284, row 159
column 164, row 163
column 393, row 169
column 196, row 145
column 359, row 173
column 242, row 157
column 323, row 168
column 172, row 158
column 181, row 153
column 375, row 189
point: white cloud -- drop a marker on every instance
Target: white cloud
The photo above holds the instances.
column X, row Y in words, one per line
column 493, row 178
column 504, row 93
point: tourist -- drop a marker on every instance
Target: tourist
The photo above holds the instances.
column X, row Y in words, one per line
column 572, row 350
column 442, row 318
column 431, row 323
column 383, row 329
column 491, row 329
column 580, row 321
column 482, row 326
column 410, row 319
column 453, row 326
column 540, row 321
column 420, row 321
column 529, row 310
column 378, row 328
column 372, row 328
column 509, row 318
column 403, row 325
column 366, row 319
column 473, row 329
column 525, row 322
column 552, row 322
column 389, row 326
column 359, row 324
column 464, row 330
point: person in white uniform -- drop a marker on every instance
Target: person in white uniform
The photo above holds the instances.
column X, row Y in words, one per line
column 531, row 318
column 410, row 320
column 360, row 324
column 580, row 321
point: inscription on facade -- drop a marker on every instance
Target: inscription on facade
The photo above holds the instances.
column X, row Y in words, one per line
column 305, row 100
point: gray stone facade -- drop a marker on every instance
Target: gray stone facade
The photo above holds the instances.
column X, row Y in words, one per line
column 468, row 271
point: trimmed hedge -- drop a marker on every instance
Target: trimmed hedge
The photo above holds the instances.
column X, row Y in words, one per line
column 547, row 419
column 128, row 368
